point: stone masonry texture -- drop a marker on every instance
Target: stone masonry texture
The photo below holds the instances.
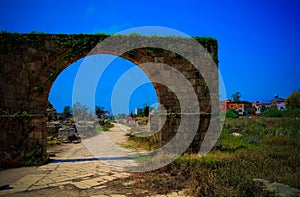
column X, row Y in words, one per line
column 30, row 63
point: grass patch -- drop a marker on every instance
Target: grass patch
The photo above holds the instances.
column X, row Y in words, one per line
column 222, row 173
column 268, row 148
column 101, row 129
column 148, row 143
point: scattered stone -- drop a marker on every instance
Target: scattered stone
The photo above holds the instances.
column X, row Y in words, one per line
column 173, row 194
column 91, row 182
column 181, row 193
column 102, row 182
column 59, row 184
column 129, row 183
column 100, row 187
column 102, row 173
column 121, row 175
column 278, row 189
column 109, row 178
column 81, row 185
column 100, row 195
column 235, row 134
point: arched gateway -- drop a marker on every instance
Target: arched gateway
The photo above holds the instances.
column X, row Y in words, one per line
column 30, row 63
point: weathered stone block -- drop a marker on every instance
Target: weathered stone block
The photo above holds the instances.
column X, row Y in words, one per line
column 28, row 59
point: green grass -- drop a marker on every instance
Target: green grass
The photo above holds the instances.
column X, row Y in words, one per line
column 146, row 143
column 100, row 129
column 269, row 148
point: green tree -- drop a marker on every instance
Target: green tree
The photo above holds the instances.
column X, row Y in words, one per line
column 99, row 111
column 236, row 97
column 67, row 113
column 50, row 106
column 80, row 111
column 293, row 101
column 146, row 111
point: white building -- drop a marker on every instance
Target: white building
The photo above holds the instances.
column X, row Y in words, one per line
column 138, row 110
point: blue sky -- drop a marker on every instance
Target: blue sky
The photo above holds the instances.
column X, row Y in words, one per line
column 258, row 39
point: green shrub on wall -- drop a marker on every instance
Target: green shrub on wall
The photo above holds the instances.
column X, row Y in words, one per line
column 35, row 155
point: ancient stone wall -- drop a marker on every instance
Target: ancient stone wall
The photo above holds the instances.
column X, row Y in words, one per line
column 30, row 63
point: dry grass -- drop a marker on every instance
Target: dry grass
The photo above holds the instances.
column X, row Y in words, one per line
column 229, row 171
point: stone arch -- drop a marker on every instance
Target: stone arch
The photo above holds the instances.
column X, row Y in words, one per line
column 30, row 64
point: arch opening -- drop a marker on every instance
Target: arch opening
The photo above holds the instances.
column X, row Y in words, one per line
column 122, row 91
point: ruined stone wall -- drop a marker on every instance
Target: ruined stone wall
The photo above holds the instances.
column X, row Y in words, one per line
column 30, row 63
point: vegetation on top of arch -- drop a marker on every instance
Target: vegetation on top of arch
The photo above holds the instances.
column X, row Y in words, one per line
column 201, row 40
column 85, row 42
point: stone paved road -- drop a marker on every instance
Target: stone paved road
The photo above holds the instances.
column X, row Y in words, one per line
column 106, row 147
column 75, row 171
column 76, row 166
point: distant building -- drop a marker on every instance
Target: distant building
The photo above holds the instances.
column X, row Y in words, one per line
column 223, row 105
column 278, row 102
column 130, row 120
column 138, row 111
column 246, row 108
column 257, row 107
column 281, row 106
column 266, row 104
column 238, row 106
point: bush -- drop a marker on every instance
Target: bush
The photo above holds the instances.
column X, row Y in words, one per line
column 264, row 127
column 251, row 111
column 272, row 112
column 292, row 113
column 105, row 129
column 231, row 113
column 35, row 155
column 293, row 101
